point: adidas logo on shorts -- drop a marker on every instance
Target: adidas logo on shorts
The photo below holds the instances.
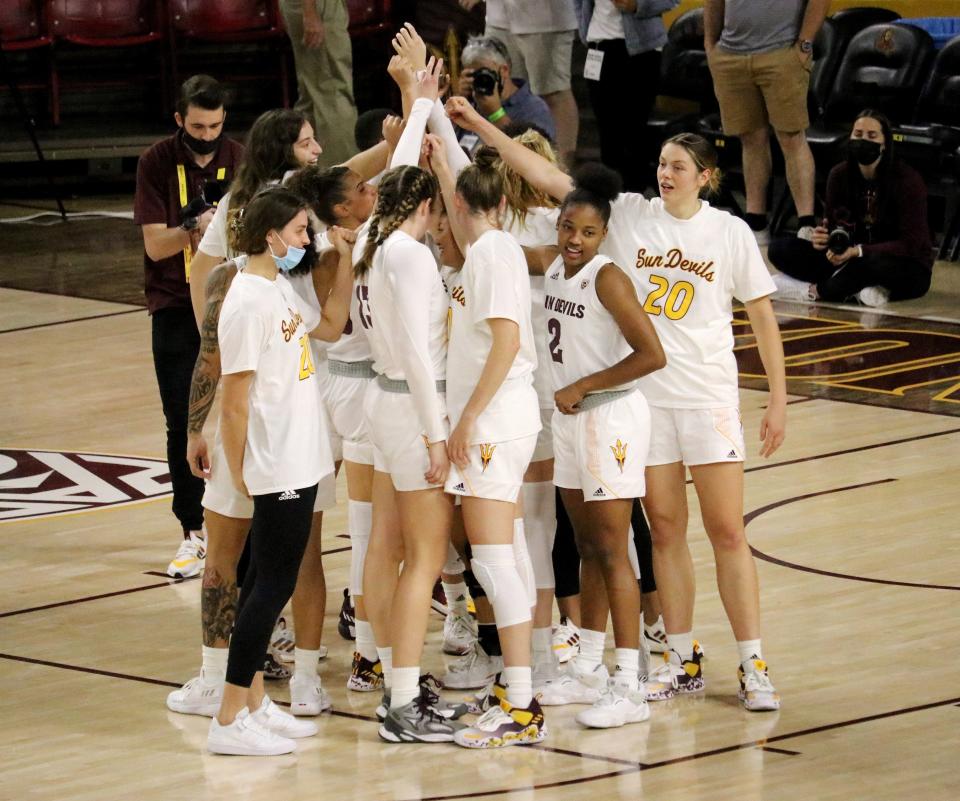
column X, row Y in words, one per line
column 599, row 493
column 732, row 455
column 459, row 487
column 288, row 495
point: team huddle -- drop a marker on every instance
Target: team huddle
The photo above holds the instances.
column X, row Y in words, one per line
column 463, row 337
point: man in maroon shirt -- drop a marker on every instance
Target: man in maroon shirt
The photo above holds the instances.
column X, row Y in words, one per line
column 171, row 174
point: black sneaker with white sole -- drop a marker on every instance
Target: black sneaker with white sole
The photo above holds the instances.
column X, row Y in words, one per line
column 346, row 627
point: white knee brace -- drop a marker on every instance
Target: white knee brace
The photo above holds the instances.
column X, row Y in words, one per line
column 454, row 566
column 540, row 530
column 495, row 568
column 359, row 521
column 524, row 565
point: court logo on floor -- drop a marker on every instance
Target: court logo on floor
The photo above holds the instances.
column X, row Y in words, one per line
column 45, row 483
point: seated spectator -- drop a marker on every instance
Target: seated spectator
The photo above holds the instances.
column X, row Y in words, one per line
column 503, row 100
column 874, row 244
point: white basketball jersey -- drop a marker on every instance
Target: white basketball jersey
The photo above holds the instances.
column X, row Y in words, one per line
column 353, row 345
column 582, row 337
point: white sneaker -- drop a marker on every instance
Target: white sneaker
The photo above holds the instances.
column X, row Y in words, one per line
column 873, row 296
column 566, row 640
column 791, row 288
column 244, row 737
column 282, row 641
column 459, row 634
column 283, row 724
column 565, row 689
column 617, row 706
column 307, row 697
column 472, row 671
column 596, row 678
column 757, row 693
column 189, row 559
column 655, row 637
column 199, row 696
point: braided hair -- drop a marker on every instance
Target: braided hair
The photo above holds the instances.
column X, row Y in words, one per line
column 401, row 190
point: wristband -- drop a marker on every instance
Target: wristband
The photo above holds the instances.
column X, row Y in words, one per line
column 499, row 114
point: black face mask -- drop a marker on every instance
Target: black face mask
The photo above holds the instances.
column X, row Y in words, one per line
column 865, row 151
column 200, row 146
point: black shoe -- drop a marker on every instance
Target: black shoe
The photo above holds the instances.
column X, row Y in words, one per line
column 346, row 626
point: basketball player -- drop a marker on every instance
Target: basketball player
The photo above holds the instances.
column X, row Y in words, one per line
column 689, row 262
column 275, row 450
column 227, row 513
column 600, row 342
column 494, row 405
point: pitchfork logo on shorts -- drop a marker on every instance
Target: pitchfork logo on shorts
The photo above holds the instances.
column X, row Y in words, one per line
column 486, row 454
column 44, row 483
column 619, row 453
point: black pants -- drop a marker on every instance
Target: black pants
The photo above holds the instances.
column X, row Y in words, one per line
column 278, row 538
column 622, row 100
column 566, row 557
column 176, row 343
column 903, row 278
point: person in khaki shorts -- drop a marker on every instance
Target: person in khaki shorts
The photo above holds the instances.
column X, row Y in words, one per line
column 760, row 54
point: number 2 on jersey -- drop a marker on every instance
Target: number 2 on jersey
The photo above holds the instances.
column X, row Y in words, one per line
column 678, row 297
column 553, row 326
column 306, row 358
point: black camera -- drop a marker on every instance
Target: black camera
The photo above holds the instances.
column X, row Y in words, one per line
column 485, row 81
column 839, row 241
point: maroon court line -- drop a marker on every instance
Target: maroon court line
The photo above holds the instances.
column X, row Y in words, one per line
column 633, row 767
column 830, row 573
column 779, row 750
column 90, row 598
column 71, row 320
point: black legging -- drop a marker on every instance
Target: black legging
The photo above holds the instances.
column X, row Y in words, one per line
column 278, row 537
column 566, row 558
column 903, row 278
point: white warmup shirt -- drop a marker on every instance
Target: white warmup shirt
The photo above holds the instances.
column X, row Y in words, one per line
column 261, row 329
column 408, row 333
column 581, row 335
column 687, row 273
column 352, row 346
column 494, row 285
column 539, row 229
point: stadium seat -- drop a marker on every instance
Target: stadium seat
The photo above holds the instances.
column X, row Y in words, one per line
column 106, row 24
column 255, row 23
column 23, row 29
column 369, row 17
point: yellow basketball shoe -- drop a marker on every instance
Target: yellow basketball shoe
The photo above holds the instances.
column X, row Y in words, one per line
column 505, row 725
column 676, row 676
column 757, row 693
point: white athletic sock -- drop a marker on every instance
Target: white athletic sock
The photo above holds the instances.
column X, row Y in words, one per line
column 456, row 597
column 406, row 686
column 305, row 662
column 591, row 650
column 628, row 663
column 366, row 644
column 749, row 649
column 215, row 661
column 682, row 644
column 545, row 664
column 519, row 684
column 386, row 664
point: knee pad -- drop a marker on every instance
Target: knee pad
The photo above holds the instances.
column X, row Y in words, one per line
column 495, row 568
column 540, row 527
column 454, row 565
column 522, row 558
column 359, row 521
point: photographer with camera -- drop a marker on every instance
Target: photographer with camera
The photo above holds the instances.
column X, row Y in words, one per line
column 172, row 178
column 874, row 244
column 503, row 100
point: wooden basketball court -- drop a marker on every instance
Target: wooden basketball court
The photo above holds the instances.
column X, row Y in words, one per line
column 854, row 523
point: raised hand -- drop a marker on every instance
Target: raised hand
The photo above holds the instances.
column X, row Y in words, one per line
column 402, row 73
column 429, row 84
column 392, row 129
column 408, row 44
column 463, row 114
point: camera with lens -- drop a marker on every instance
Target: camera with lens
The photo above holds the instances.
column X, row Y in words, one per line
column 485, row 81
column 839, row 240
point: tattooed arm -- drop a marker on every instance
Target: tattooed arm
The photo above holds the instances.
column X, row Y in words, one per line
column 206, row 372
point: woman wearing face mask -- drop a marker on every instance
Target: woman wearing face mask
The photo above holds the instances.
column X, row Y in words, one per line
column 881, row 205
column 276, row 450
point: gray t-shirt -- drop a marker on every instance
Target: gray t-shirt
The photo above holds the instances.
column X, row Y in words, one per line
column 759, row 26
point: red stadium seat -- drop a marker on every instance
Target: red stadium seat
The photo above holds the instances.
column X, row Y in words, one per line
column 22, row 28
column 107, row 24
column 231, row 22
column 369, row 17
